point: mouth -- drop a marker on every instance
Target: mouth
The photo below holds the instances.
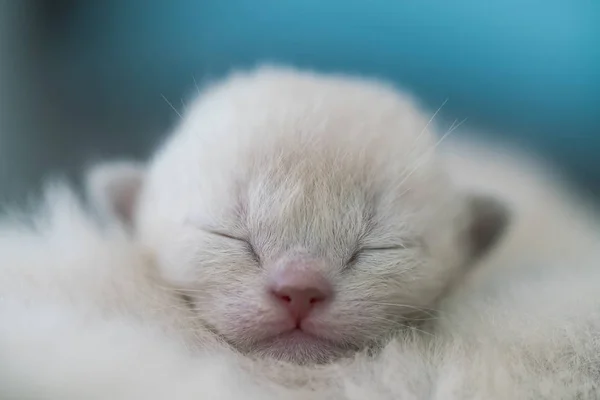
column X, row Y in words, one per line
column 300, row 347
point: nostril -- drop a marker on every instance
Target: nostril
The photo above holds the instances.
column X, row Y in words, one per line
column 303, row 298
column 285, row 298
column 299, row 288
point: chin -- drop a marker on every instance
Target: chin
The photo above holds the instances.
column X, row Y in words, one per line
column 300, row 347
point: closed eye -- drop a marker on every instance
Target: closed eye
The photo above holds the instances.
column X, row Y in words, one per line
column 228, row 236
column 357, row 253
column 238, row 239
column 384, row 248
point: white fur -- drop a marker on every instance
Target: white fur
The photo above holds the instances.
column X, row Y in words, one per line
column 299, row 163
column 83, row 315
column 514, row 336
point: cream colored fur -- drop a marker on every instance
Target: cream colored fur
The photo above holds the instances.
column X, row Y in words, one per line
column 298, row 163
column 516, row 335
column 83, row 313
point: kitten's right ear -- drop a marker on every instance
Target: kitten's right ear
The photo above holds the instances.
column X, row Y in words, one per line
column 114, row 187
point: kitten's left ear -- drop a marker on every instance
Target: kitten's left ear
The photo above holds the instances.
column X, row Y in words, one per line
column 114, row 187
column 489, row 220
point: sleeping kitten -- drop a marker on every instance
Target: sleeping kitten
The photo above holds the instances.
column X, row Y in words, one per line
column 81, row 316
column 304, row 216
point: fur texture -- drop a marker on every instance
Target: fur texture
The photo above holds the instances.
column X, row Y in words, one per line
column 286, row 165
column 88, row 310
column 79, row 319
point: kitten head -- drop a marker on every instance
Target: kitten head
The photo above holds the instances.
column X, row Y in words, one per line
column 303, row 215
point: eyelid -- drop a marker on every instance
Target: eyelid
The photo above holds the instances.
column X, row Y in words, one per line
column 247, row 242
column 354, row 257
column 401, row 244
column 197, row 224
column 226, row 235
column 383, row 248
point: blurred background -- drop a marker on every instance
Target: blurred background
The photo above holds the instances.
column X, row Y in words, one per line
column 87, row 80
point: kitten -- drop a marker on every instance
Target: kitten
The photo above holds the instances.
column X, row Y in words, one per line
column 304, row 216
column 82, row 317
column 82, row 314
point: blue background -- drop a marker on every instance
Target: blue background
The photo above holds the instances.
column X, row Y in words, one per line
column 527, row 70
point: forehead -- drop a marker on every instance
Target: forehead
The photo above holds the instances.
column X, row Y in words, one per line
column 281, row 118
column 309, row 191
column 285, row 146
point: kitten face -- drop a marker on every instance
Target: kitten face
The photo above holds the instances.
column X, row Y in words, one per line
column 325, row 186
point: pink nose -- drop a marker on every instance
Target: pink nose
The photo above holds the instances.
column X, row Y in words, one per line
column 299, row 288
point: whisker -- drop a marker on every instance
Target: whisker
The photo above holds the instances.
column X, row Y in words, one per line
column 414, row 328
column 171, row 105
column 426, row 154
column 196, row 84
column 432, row 118
column 452, row 128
